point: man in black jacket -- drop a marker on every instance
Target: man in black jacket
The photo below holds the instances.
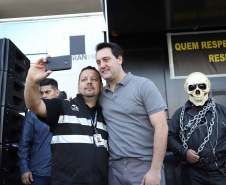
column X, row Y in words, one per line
column 197, row 134
column 79, row 144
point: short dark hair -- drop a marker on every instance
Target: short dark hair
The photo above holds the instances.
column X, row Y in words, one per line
column 90, row 68
column 115, row 48
column 49, row 81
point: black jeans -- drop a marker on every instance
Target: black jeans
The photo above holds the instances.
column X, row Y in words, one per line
column 201, row 177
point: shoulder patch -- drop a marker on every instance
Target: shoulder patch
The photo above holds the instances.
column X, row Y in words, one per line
column 74, row 107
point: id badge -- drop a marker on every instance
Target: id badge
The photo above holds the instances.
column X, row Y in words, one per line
column 98, row 140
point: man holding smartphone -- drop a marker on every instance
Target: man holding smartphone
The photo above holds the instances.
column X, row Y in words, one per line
column 79, row 144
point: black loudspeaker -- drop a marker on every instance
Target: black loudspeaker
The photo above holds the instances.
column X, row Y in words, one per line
column 12, row 126
column 13, row 93
column 14, row 67
column 9, row 171
column 2, row 48
column 1, row 81
column 2, row 53
column 15, row 62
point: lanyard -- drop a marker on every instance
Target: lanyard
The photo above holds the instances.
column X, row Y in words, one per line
column 94, row 122
column 95, row 119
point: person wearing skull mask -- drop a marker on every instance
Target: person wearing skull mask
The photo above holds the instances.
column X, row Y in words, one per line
column 197, row 134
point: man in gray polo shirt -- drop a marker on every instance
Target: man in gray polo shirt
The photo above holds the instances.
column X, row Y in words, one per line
column 134, row 111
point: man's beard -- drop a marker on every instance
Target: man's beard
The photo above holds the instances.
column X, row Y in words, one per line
column 89, row 95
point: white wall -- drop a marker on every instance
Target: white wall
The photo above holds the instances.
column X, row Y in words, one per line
column 38, row 36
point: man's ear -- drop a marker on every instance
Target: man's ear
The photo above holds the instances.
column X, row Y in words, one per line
column 120, row 60
column 57, row 93
column 101, row 87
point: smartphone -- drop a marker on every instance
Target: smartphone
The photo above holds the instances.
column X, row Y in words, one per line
column 58, row 63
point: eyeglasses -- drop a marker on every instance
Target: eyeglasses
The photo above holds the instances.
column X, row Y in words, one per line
column 193, row 87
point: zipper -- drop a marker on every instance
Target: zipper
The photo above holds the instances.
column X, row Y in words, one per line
column 224, row 124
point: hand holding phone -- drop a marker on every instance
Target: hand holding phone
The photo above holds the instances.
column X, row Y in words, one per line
column 58, row 63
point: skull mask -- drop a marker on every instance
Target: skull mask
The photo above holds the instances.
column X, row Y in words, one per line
column 197, row 86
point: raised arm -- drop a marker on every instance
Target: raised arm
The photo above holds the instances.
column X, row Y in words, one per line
column 35, row 75
column 158, row 120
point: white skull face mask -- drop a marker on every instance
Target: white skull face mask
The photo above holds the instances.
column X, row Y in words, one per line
column 197, row 86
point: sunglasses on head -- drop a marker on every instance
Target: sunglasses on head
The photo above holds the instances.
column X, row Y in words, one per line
column 193, row 87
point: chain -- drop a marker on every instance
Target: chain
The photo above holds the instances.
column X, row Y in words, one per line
column 194, row 122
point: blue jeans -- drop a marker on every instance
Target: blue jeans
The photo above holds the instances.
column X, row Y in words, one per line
column 41, row 180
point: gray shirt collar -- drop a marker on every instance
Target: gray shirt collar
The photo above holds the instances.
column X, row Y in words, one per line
column 124, row 81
